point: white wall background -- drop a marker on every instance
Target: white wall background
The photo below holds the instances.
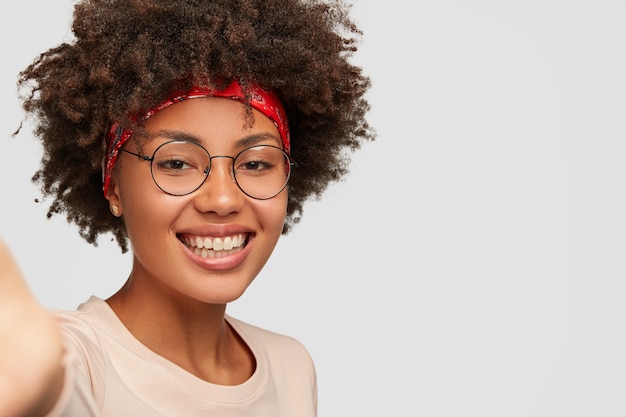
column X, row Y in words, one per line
column 474, row 262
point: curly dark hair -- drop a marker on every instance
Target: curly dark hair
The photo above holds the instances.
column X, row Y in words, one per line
column 126, row 56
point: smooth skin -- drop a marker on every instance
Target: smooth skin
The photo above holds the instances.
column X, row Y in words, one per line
column 31, row 375
column 174, row 301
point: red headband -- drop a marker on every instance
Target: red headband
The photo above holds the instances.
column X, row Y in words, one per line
column 261, row 100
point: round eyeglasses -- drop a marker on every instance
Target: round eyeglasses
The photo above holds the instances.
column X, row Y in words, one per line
column 180, row 167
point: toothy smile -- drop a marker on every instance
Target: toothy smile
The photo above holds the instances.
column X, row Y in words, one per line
column 215, row 247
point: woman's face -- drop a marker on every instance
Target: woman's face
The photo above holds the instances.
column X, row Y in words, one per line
column 169, row 234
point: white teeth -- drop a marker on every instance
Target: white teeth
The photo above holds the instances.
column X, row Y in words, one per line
column 207, row 253
column 220, row 246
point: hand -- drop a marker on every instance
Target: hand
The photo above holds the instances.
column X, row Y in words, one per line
column 31, row 375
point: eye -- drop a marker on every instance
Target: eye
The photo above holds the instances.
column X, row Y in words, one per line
column 256, row 165
column 258, row 160
column 180, row 158
column 172, row 164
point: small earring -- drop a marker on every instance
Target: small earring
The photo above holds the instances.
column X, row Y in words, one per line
column 115, row 210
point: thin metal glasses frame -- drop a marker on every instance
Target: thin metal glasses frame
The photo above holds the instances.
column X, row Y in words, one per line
column 207, row 169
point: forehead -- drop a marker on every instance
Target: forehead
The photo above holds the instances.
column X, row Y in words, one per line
column 212, row 119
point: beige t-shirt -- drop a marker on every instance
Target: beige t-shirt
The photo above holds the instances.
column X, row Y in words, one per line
column 109, row 373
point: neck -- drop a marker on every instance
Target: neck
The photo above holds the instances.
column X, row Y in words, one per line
column 192, row 334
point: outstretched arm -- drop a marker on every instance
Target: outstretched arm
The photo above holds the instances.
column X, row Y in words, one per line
column 31, row 374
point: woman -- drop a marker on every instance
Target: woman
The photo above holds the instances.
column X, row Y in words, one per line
column 194, row 132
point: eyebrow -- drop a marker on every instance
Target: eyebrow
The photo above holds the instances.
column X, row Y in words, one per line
column 245, row 141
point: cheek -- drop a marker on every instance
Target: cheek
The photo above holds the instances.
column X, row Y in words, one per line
column 271, row 214
column 136, row 184
column 145, row 207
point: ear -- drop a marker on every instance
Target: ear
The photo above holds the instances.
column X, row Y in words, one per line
column 113, row 195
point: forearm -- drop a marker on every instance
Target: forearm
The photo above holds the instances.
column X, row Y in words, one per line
column 31, row 373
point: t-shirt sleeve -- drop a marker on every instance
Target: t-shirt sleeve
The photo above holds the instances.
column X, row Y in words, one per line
column 82, row 392
column 76, row 400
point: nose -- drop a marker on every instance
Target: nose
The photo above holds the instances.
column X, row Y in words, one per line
column 220, row 193
column 227, row 166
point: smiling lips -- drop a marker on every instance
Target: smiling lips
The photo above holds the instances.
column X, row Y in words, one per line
column 215, row 247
